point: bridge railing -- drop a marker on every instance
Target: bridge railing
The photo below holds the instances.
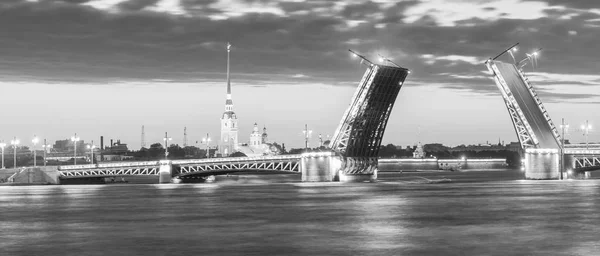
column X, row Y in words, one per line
column 194, row 161
column 234, row 159
column 582, row 151
column 591, row 146
column 108, row 165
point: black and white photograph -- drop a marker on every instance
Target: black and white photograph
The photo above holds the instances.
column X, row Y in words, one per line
column 299, row 127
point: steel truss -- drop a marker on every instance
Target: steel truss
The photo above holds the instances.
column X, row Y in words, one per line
column 359, row 134
column 123, row 171
column 523, row 129
column 584, row 161
column 274, row 164
column 540, row 105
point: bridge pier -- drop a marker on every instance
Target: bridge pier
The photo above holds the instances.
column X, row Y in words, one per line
column 327, row 167
column 542, row 164
column 165, row 171
column 320, row 167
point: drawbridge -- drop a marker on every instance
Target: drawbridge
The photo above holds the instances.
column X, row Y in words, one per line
column 358, row 136
column 545, row 155
column 353, row 152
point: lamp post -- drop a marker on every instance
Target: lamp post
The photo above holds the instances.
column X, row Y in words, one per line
column 563, row 127
column 91, row 148
column 207, row 141
column 15, row 142
column 320, row 140
column 45, row 147
column 35, row 142
column 2, row 145
column 586, row 131
column 307, row 134
column 166, row 139
column 75, row 139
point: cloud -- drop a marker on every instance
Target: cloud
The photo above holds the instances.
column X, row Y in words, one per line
column 299, row 76
column 578, row 4
column 581, row 79
column 453, row 59
column 449, row 12
column 443, row 43
column 136, row 5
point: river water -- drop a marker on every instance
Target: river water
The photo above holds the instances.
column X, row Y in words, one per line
column 476, row 213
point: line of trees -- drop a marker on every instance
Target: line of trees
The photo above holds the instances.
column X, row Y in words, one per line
column 156, row 151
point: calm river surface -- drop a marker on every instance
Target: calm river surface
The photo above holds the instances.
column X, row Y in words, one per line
column 478, row 213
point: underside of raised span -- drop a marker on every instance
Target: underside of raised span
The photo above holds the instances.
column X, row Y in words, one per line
column 530, row 119
column 358, row 136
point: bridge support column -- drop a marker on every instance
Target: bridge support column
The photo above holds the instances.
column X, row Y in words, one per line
column 319, row 167
column 359, row 169
column 542, row 164
column 165, row 172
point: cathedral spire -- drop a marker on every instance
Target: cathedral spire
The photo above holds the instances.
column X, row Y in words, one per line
column 228, row 101
column 228, row 81
column 229, row 130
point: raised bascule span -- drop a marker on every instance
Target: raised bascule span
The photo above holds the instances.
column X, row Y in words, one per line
column 535, row 130
column 358, row 136
column 353, row 154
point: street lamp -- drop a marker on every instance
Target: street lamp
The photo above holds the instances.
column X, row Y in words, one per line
column 320, row 140
column 75, row 139
column 2, row 145
column 91, row 148
column 307, row 134
column 45, row 147
column 207, row 141
column 531, row 57
column 166, row 139
column 35, row 142
column 15, row 142
column 586, row 131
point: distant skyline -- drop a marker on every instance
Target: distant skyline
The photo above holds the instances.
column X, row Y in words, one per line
column 107, row 67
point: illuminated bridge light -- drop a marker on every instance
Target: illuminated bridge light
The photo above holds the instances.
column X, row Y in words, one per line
column 317, row 154
column 542, row 150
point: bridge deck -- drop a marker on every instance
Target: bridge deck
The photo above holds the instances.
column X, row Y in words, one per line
column 528, row 104
column 186, row 167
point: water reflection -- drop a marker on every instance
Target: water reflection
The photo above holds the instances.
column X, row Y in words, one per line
column 477, row 214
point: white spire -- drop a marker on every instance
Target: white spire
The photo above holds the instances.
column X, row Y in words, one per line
column 228, row 80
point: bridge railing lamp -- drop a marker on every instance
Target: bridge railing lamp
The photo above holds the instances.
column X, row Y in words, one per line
column 35, row 141
column 15, row 142
column 206, row 140
column 75, row 139
column 91, row 148
column 2, row 145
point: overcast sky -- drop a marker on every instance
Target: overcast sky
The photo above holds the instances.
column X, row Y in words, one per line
column 107, row 67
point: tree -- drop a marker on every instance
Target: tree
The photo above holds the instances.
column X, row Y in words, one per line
column 192, row 151
column 238, row 154
column 175, row 151
column 156, row 150
column 276, row 148
column 295, row 151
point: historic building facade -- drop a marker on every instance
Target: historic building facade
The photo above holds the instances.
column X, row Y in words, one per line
column 256, row 138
